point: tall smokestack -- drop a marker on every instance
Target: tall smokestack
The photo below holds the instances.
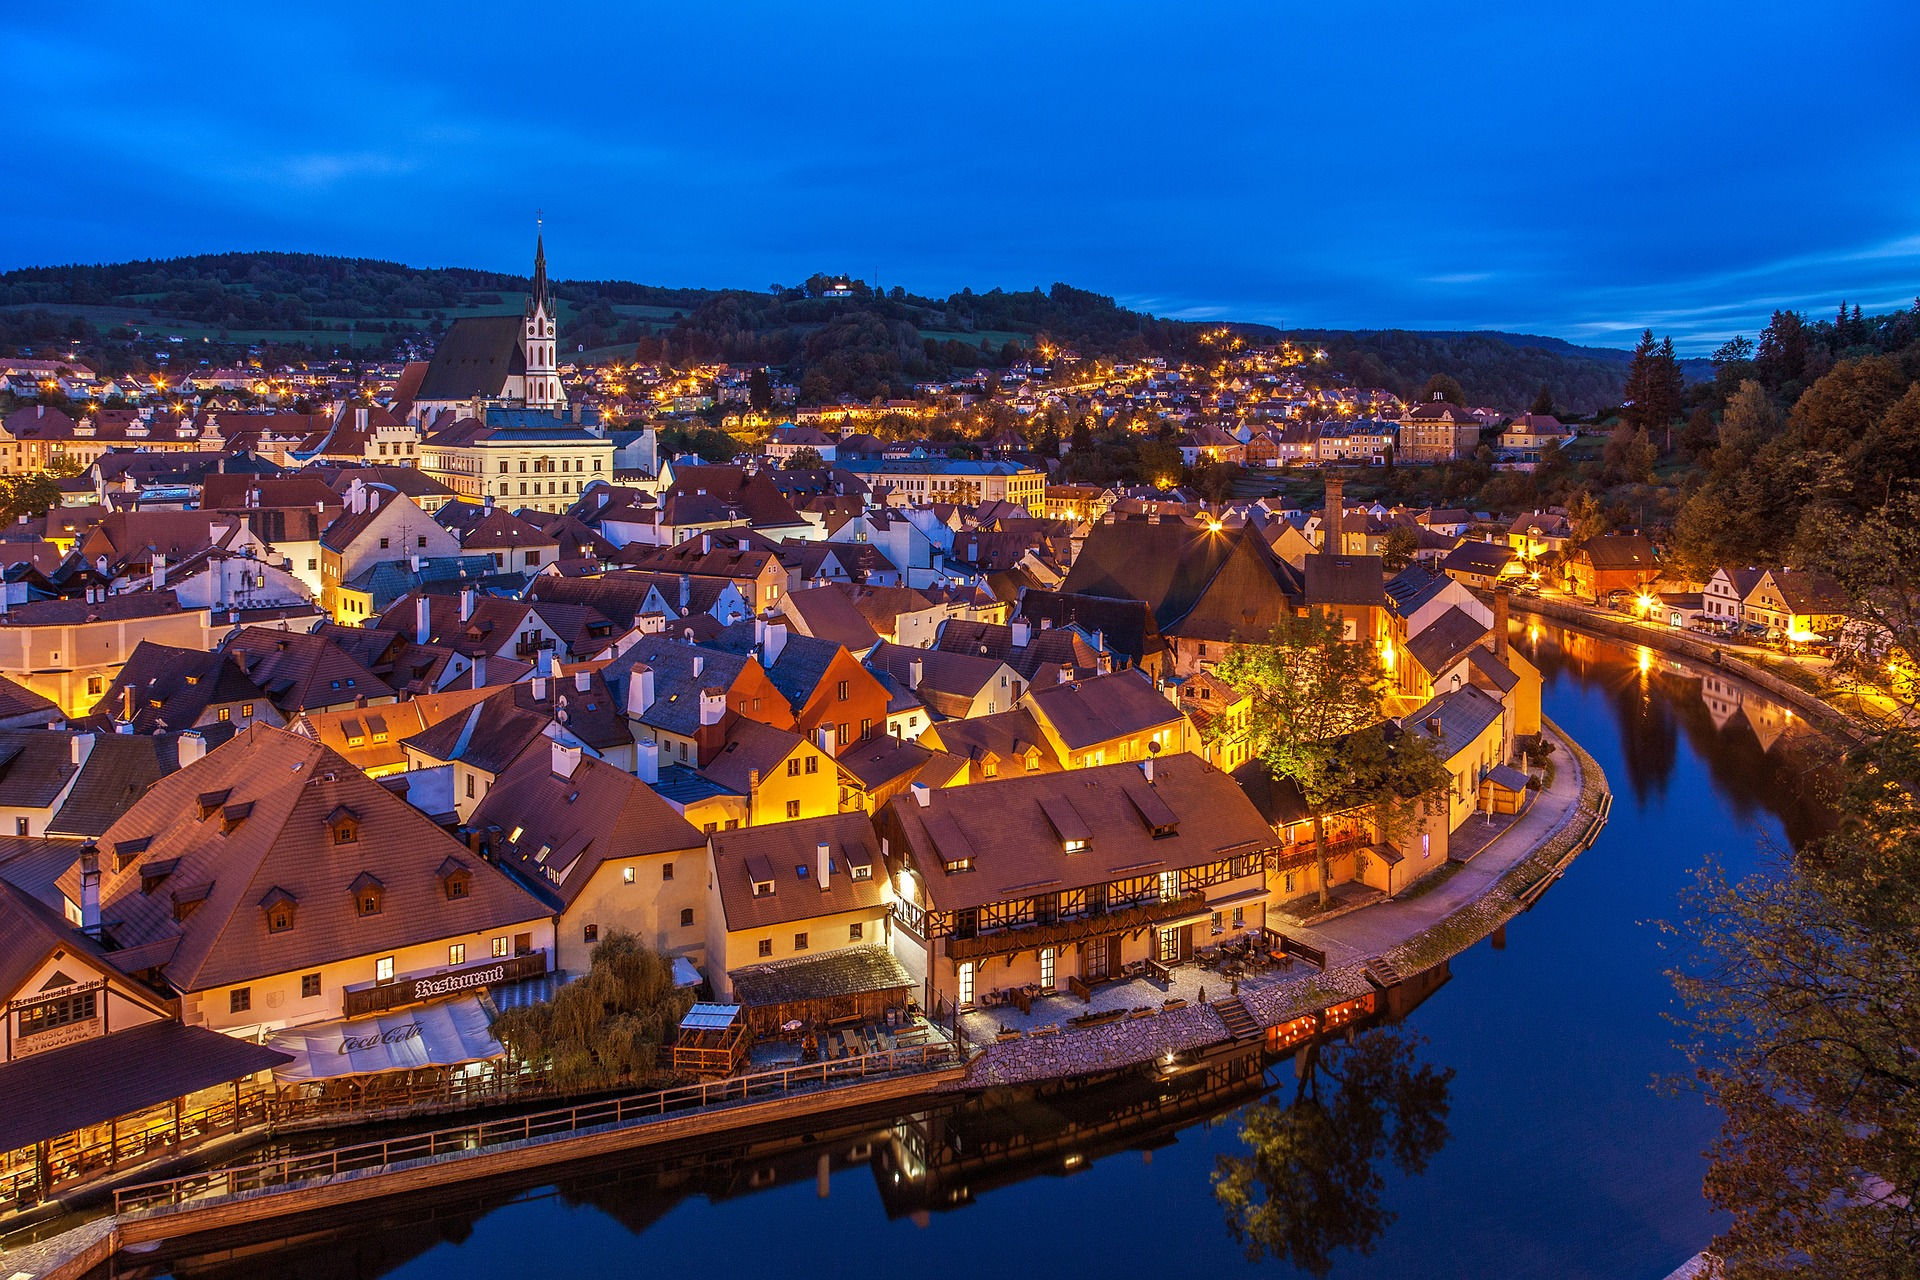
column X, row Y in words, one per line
column 1330, row 520
column 1500, row 623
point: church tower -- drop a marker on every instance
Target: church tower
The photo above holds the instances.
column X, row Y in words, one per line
column 537, row 340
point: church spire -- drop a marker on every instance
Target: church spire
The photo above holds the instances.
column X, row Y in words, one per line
column 540, row 298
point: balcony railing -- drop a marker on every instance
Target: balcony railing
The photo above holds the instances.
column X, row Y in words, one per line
column 380, row 996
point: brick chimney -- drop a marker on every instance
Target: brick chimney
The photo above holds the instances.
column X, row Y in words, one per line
column 1500, row 623
column 1330, row 520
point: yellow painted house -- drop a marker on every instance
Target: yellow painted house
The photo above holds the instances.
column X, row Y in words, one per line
column 801, row 888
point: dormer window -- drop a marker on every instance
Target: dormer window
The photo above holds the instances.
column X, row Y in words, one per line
column 456, row 879
column 188, row 901
column 861, row 871
column 278, row 906
column 368, row 894
column 210, row 801
column 955, row 865
column 344, row 823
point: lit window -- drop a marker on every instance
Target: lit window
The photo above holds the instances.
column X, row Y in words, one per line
column 500, row 946
column 383, row 969
column 457, row 953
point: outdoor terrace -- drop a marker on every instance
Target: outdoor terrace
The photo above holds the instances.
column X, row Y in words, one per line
column 1158, row 989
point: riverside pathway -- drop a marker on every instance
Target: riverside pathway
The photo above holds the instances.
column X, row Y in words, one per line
column 1385, row 925
column 1403, row 935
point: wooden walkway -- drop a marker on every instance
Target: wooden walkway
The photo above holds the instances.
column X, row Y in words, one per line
column 220, row 1198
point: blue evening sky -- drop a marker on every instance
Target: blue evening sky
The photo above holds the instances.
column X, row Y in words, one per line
column 1579, row 170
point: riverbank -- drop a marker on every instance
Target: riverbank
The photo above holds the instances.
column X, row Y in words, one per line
column 1366, row 950
column 1728, row 660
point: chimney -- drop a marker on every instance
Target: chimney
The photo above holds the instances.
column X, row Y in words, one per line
column 1022, row 633
column 543, row 665
column 422, row 620
column 90, row 889
column 1500, row 624
column 915, row 669
column 1330, row 521
column 713, row 705
column 647, row 761
column 539, row 689
column 413, row 562
column 565, row 759
column 706, row 546
column 639, row 690
column 480, row 671
column 159, row 571
column 922, row 794
column 486, row 505
column 686, row 590
column 583, row 680
column 823, row 864
column 774, row 644
column 699, row 664
column 1146, row 768
column 746, row 545
column 466, row 604
column 823, row 737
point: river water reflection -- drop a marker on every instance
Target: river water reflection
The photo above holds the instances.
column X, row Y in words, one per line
column 1547, row 1151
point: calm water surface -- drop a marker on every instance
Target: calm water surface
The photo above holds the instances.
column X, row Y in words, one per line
column 1562, row 1160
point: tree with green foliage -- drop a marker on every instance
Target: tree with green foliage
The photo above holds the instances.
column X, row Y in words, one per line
column 1543, row 401
column 1309, row 1184
column 1656, row 387
column 805, row 458
column 1401, row 545
column 1443, row 386
column 1317, row 720
column 1798, row 981
column 607, row 1027
column 28, row 495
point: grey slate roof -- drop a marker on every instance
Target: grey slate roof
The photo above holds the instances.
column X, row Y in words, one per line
column 1445, row 639
column 1456, row 718
column 475, row 357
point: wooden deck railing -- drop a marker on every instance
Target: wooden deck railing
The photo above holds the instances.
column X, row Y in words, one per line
column 25, row 1184
column 170, row 1194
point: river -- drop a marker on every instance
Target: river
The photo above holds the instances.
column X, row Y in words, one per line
column 1560, row 1157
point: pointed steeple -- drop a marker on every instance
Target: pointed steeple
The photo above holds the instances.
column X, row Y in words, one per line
column 539, row 298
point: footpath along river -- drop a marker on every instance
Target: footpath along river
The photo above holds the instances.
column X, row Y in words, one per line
column 1561, row 1160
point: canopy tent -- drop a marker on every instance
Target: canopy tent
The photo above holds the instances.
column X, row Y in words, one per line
column 436, row 1035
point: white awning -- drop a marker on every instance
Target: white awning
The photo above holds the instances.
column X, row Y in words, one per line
column 684, row 974
column 444, row 1034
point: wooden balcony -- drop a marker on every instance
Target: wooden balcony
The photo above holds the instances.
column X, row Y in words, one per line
column 377, row 997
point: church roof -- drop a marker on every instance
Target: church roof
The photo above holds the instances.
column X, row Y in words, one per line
column 475, row 358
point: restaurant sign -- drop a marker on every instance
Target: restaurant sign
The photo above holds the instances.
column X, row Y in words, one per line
column 381, row 996
column 460, row 980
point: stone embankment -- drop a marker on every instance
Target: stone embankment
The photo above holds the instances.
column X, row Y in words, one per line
column 1695, row 648
column 1418, row 935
